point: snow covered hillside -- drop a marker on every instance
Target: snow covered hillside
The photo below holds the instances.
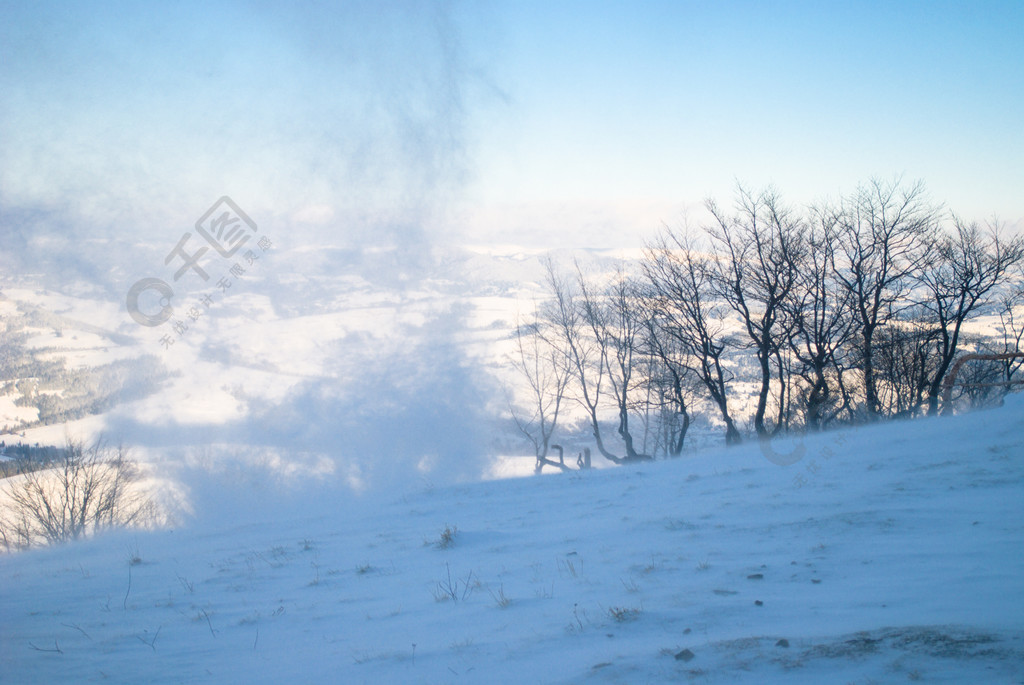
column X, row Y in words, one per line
column 888, row 554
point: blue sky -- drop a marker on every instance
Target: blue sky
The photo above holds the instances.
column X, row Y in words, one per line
column 670, row 102
column 563, row 123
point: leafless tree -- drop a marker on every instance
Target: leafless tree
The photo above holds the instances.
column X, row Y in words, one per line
column 669, row 381
column 982, row 383
column 683, row 310
column 904, row 361
column 820, row 324
column 760, row 250
column 87, row 489
column 615, row 324
column 542, row 362
column 1011, row 324
column 586, row 360
column 884, row 232
column 966, row 268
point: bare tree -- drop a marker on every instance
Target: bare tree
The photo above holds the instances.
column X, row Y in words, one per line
column 87, row 489
column 1011, row 325
column 683, row 309
column 820, row 324
column 760, row 250
column 614, row 321
column 669, row 380
column 966, row 268
column 585, row 358
column 543, row 364
column 983, row 382
column 884, row 231
column 904, row 361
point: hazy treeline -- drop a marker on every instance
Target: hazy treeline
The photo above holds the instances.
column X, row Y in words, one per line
column 40, row 377
column 841, row 312
column 22, row 458
column 61, row 394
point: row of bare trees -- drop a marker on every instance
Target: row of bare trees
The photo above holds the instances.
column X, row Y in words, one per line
column 841, row 312
column 84, row 489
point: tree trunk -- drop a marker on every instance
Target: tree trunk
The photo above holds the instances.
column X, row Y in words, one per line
column 762, row 395
column 870, row 388
column 816, row 400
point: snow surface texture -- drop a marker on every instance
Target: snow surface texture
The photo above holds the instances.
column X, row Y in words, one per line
column 888, row 554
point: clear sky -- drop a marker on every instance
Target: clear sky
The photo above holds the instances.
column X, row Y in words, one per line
column 550, row 122
column 650, row 104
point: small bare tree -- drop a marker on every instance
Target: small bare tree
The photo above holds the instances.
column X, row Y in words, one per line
column 614, row 319
column 967, row 267
column 670, row 380
column 586, row 360
column 543, row 364
column 882, row 242
column 759, row 254
column 1011, row 325
column 85, row 490
column 820, row 325
column 904, row 361
column 683, row 309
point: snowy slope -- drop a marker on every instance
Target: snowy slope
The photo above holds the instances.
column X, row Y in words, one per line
column 888, row 554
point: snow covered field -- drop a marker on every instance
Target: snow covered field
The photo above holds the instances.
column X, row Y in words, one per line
column 888, row 554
